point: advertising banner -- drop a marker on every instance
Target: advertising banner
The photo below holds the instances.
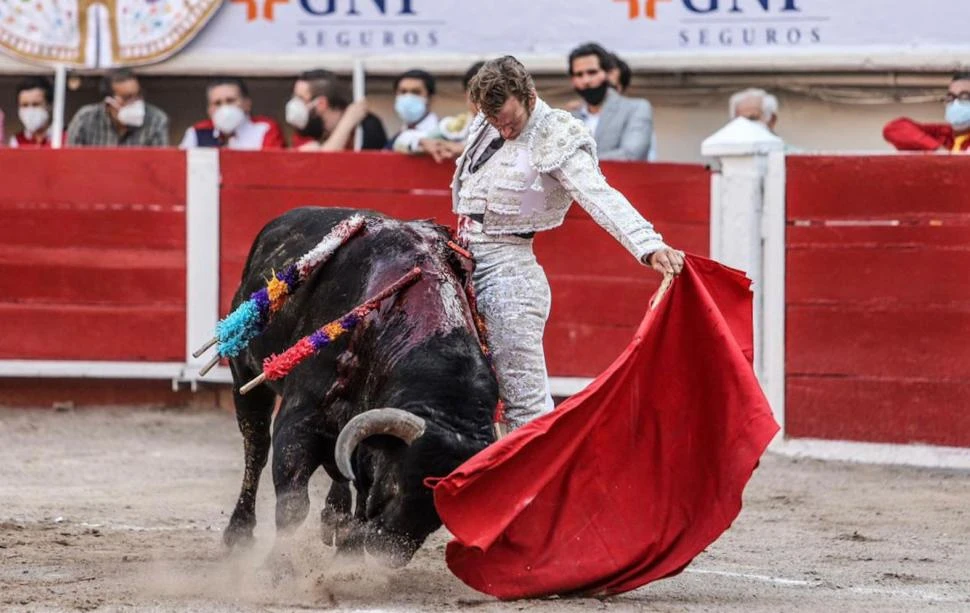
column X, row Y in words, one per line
column 362, row 27
column 245, row 33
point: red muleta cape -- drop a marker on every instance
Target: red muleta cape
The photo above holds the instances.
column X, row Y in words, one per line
column 627, row 481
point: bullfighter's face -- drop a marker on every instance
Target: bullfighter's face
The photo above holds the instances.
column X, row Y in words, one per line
column 512, row 118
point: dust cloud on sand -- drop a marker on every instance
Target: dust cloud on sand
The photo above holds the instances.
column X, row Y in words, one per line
column 123, row 510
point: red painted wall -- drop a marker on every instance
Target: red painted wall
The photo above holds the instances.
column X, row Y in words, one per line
column 878, row 299
column 92, row 255
column 599, row 291
column 92, row 244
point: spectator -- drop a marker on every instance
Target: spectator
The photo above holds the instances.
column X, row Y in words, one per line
column 325, row 118
column 414, row 91
column 756, row 105
column 123, row 119
column 35, row 98
column 230, row 123
column 1, row 127
column 953, row 136
column 621, row 77
column 622, row 127
column 448, row 140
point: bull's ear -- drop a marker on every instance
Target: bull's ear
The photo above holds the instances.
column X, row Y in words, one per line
column 390, row 422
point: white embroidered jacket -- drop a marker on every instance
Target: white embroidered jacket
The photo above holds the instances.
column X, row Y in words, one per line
column 530, row 182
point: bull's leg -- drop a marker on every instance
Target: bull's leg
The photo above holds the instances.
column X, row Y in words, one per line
column 254, row 414
column 352, row 538
column 296, row 448
column 335, row 515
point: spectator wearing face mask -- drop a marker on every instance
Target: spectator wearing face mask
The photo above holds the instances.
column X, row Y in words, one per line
column 953, row 136
column 620, row 77
column 756, row 105
column 414, row 91
column 325, row 117
column 621, row 126
column 123, row 119
column 35, row 97
column 230, row 123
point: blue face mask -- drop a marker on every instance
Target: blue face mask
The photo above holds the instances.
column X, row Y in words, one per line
column 958, row 115
column 411, row 108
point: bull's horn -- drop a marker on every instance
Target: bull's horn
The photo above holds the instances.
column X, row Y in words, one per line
column 393, row 422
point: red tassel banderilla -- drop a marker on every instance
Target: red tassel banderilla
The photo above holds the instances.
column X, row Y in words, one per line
column 278, row 366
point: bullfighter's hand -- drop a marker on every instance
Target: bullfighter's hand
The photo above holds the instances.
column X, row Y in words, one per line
column 666, row 261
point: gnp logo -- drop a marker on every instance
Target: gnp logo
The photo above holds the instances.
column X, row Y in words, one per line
column 732, row 23
column 359, row 25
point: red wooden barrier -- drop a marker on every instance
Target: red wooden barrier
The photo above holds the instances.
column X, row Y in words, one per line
column 92, row 244
column 92, row 255
column 878, row 299
column 599, row 291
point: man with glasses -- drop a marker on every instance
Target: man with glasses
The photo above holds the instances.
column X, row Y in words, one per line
column 953, row 136
column 122, row 119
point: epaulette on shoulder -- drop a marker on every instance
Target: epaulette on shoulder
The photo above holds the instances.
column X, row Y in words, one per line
column 556, row 138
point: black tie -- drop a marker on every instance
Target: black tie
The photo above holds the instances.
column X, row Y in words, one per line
column 490, row 150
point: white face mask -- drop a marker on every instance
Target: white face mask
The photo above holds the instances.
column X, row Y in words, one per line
column 228, row 118
column 411, row 108
column 132, row 114
column 958, row 115
column 34, row 118
column 297, row 113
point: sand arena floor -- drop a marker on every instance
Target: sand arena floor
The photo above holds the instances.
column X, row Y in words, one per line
column 117, row 510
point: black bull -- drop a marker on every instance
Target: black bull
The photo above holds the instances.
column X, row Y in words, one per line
column 418, row 354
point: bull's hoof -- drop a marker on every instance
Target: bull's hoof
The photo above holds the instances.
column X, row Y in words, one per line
column 393, row 558
column 333, row 526
column 349, row 556
column 238, row 534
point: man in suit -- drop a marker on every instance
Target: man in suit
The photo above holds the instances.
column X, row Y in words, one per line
column 621, row 126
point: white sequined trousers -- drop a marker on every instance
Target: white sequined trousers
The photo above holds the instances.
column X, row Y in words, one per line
column 514, row 299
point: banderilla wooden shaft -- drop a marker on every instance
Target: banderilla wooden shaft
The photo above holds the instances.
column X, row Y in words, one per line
column 209, row 343
column 249, row 386
column 209, row 366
